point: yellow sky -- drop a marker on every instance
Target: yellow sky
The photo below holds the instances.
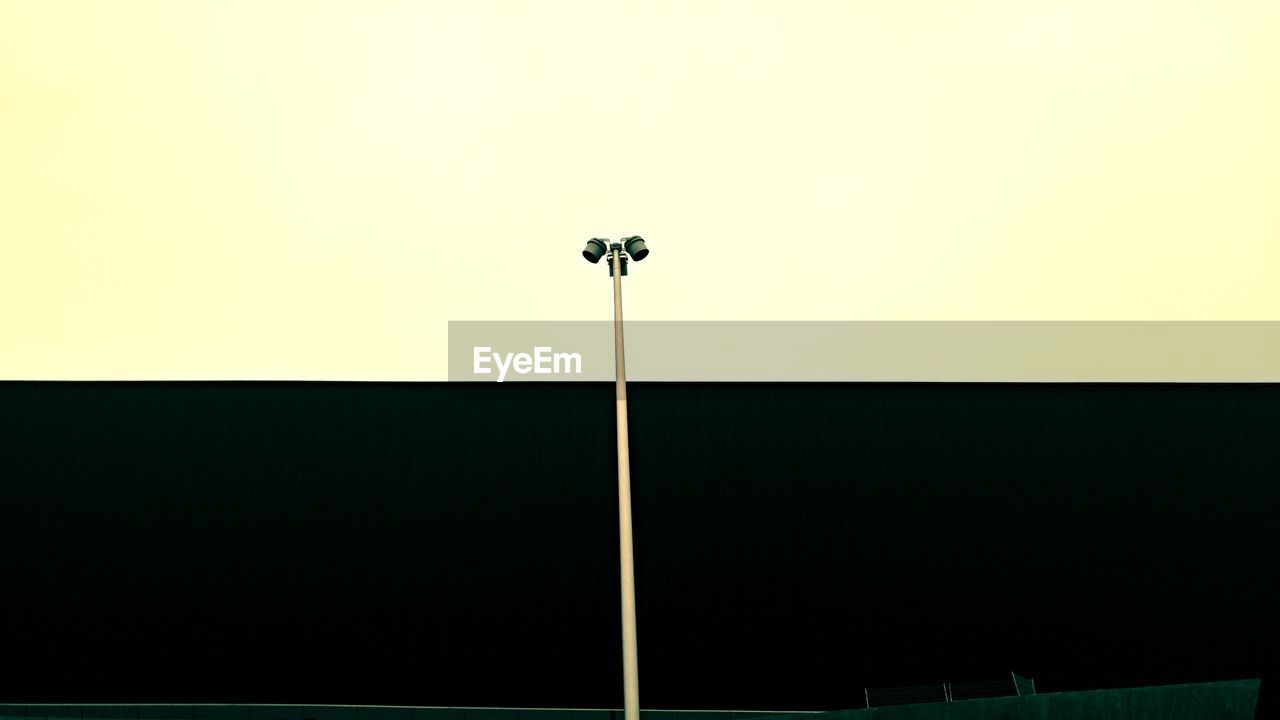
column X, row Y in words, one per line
column 312, row 189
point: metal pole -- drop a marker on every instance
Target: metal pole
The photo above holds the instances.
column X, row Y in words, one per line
column 630, row 664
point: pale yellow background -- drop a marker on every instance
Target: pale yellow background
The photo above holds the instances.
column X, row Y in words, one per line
column 310, row 189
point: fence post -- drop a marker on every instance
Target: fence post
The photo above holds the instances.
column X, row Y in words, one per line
column 1016, row 689
column 867, row 694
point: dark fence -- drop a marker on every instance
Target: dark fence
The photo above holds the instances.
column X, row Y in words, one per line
column 1229, row 700
column 1014, row 684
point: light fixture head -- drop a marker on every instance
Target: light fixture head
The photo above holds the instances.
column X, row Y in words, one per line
column 635, row 247
column 596, row 248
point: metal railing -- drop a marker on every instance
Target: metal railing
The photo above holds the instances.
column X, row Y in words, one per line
column 949, row 691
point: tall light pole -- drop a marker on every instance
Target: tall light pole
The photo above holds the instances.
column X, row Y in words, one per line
column 618, row 252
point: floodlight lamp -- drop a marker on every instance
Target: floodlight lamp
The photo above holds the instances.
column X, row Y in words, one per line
column 595, row 250
column 635, row 247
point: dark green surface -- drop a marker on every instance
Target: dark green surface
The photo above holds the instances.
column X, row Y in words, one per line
column 456, row 544
column 1234, row 700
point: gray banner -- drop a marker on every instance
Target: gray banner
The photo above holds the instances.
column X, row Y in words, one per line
column 1013, row 351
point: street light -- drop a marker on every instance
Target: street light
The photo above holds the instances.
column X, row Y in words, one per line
column 595, row 250
column 635, row 247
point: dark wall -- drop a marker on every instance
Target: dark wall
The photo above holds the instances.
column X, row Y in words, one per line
column 451, row 544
